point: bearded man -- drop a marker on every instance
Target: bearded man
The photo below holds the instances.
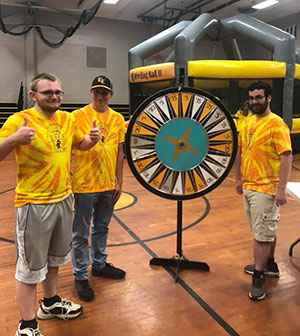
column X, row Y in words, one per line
column 263, row 167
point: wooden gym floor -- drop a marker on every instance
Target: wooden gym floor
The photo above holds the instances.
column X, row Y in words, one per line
column 148, row 301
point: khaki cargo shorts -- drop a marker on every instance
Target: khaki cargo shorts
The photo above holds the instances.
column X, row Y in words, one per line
column 262, row 215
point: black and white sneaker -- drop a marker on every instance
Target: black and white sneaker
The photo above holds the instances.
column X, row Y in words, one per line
column 65, row 310
column 257, row 289
column 28, row 331
column 271, row 269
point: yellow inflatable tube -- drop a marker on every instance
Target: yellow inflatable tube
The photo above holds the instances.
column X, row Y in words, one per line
column 236, row 69
column 297, row 71
column 296, row 125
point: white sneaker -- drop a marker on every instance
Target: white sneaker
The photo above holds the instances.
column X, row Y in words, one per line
column 65, row 310
column 28, row 331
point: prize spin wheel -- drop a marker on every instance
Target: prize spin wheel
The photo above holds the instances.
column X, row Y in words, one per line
column 181, row 144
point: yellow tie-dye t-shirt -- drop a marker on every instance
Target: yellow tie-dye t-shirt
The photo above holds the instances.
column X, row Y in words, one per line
column 95, row 170
column 262, row 140
column 239, row 119
column 43, row 167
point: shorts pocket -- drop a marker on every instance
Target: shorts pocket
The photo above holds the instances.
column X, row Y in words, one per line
column 270, row 223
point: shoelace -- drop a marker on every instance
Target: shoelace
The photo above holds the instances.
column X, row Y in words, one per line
column 110, row 265
column 66, row 305
column 35, row 332
column 258, row 282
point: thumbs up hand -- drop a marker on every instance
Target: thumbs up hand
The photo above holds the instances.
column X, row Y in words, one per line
column 94, row 133
column 25, row 122
column 24, row 134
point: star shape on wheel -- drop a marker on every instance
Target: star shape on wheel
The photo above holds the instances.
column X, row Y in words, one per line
column 181, row 144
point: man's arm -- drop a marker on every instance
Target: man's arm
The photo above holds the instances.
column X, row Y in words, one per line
column 23, row 136
column 90, row 140
column 284, row 174
column 119, row 173
column 238, row 177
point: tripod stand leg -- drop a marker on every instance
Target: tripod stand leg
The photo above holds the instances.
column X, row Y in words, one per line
column 179, row 261
column 177, row 270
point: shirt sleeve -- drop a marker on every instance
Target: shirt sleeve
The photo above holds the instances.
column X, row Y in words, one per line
column 78, row 135
column 281, row 138
column 122, row 131
column 10, row 126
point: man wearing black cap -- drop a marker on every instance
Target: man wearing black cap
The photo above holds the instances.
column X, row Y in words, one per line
column 97, row 185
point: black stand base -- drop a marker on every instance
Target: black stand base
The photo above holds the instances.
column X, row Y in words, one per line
column 292, row 246
column 180, row 262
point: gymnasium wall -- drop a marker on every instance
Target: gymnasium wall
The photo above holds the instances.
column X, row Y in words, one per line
column 12, row 63
column 22, row 57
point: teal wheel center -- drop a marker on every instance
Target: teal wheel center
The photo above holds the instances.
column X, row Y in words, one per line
column 181, row 144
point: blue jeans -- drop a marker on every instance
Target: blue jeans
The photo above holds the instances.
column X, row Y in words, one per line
column 100, row 206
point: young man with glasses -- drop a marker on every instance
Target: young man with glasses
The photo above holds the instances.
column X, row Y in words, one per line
column 42, row 138
column 263, row 165
column 97, row 185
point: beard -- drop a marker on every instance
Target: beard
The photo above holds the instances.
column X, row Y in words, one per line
column 259, row 108
column 49, row 108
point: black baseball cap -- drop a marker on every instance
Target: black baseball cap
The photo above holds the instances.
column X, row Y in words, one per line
column 102, row 81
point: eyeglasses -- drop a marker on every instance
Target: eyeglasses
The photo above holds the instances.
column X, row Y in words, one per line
column 50, row 93
column 101, row 93
column 256, row 98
